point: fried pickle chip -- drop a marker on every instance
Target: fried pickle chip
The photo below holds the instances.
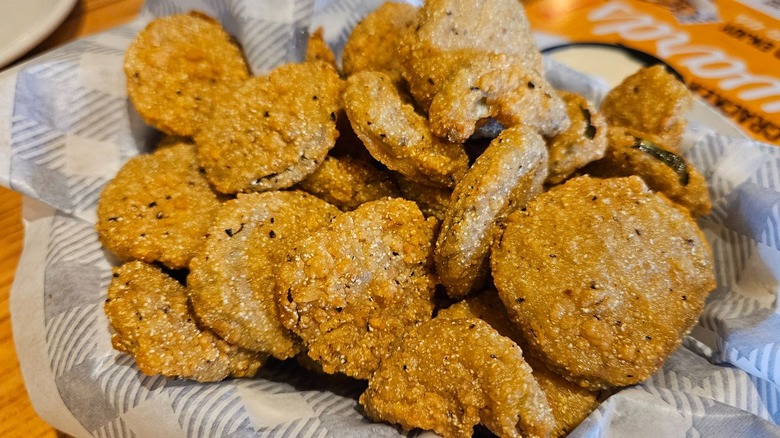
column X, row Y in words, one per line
column 373, row 43
column 652, row 101
column 634, row 153
column 570, row 403
column 448, row 34
column 603, row 277
column 272, row 131
column 318, row 49
column 495, row 86
column 584, row 141
column 178, row 67
column 151, row 319
column 509, row 173
column 452, row 374
column 396, row 135
column 352, row 289
column 433, row 201
column 481, row 70
column 233, row 277
column 158, row 207
column 348, row 182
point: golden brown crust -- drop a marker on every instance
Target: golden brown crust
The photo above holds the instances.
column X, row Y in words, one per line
column 635, row 153
column 348, row 182
column 396, row 135
column 510, row 172
column 273, row 130
column 495, row 86
column 318, row 49
column 603, row 277
column 448, row 34
column 373, row 43
column 653, row 101
column 149, row 313
column 232, row 278
column 570, row 403
column 352, row 289
column 584, row 141
column 451, row 374
column 433, row 201
column 462, row 71
column 178, row 67
column 158, row 207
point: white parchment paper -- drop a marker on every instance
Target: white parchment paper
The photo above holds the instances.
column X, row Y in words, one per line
column 66, row 127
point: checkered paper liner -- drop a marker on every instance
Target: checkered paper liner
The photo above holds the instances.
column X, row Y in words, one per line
column 66, row 127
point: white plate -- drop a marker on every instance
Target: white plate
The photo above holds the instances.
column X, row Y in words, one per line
column 25, row 23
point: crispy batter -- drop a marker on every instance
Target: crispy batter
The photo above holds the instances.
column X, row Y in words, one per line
column 604, row 277
column 509, row 173
column 487, row 306
column 233, row 277
column 318, row 49
column 495, row 86
column 634, row 153
column 598, row 279
column 151, row 319
column 353, row 289
column 451, row 374
column 449, row 34
column 570, row 403
column 433, row 201
column 273, row 131
column 347, row 182
column 652, row 101
column 481, row 70
column 373, row 43
column 584, row 141
column 157, row 208
column 396, row 135
column 178, row 67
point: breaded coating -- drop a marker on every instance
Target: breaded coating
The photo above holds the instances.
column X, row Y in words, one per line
column 570, row 403
column 347, row 182
column 318, row 49
column 603, row 277
column 273, row 131
column 151, row 319
column 178, row 68
column 373, row 43
column 396, row 135
column 353, row 289
column 449, row 34
column 634, row 153
column 482, row 71
column 166, row 141
column 232, row 278
column 433, row 201
column 450, row 375
column 487, row 306
column 495, row 86
column 584, row 141
column 652, row 101
column 510, row 172
column 158, row 207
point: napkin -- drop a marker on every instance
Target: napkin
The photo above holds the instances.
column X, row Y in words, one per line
column 66, row 127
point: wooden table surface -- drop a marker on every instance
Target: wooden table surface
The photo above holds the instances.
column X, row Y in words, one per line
column 17, row 417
